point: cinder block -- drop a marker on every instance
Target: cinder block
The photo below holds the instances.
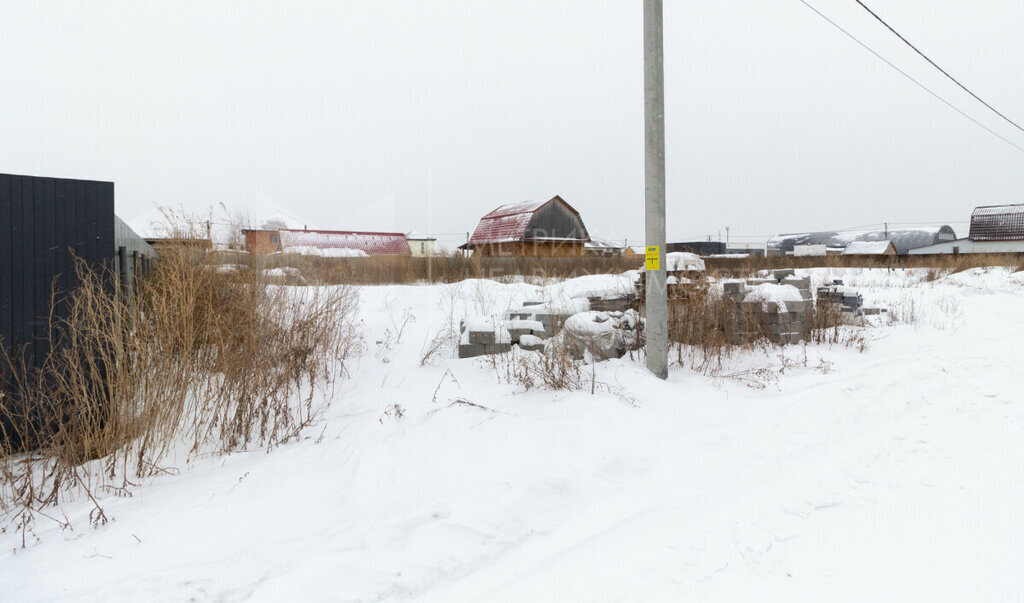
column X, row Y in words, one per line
column 481, row 337
column 498, row 348
column 783, row 273
column 799, row 307
column 798, row 282
column 471, row 350
column 531, row 344
column 734, row 287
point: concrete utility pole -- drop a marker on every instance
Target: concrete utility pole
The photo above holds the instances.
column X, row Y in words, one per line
column 654, row 196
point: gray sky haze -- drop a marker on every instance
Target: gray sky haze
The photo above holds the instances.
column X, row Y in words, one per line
column 402, row 115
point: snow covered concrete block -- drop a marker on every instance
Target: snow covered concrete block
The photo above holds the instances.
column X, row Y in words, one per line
column 484, row 330
column 604, row 335
column 798, row 282
column 517, row 328
column 616, row 304
column 782, row 273
column 531, row 343
column 734, row 287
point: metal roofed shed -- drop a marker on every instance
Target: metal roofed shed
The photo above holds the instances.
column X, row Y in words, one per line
column 534, row 228
column 997, row 223
column 885, row 248
column 333, row 242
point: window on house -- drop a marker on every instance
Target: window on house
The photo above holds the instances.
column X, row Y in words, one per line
column 275, row 239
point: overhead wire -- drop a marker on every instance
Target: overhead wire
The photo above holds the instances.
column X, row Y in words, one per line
column 935, row 65
column 911, row 78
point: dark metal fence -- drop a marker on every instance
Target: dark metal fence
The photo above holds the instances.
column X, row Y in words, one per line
column 45, row 223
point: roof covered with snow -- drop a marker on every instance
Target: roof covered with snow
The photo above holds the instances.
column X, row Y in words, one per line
column 595, row 243
column 998, row 223
column 903, row 239
column 372, row 243
column 868, row 248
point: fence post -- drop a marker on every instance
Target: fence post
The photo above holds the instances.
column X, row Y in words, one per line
column 126, row 273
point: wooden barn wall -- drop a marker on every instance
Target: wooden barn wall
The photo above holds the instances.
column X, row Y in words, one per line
column 541, row 249
column 43, row 221
column 555, row 220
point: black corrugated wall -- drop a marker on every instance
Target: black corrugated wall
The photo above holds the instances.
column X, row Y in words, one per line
column 44, row 224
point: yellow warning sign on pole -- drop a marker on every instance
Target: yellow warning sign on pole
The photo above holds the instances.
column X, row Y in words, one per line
column 652, row 258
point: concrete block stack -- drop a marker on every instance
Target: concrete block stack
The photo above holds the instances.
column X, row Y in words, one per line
column 847, row 298
column 551, row 315
column 612, row 302
column 530, row 325
column 776, row 307
column 484, row 335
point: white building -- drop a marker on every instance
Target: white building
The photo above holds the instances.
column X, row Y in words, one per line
column 421, row 245
column 994, row 229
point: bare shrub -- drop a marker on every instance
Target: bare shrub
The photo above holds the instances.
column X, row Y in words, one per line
column 200, row 359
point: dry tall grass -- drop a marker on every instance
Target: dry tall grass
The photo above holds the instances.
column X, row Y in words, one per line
column 384, row 270
column 742, row 267
column 200, row 360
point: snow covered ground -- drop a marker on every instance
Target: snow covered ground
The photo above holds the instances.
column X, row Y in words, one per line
column 892, row 474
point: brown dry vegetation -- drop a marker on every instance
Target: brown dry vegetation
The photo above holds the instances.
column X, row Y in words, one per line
column 705, row 328
column 383, row 270
column 200, row 360
column 944, row 263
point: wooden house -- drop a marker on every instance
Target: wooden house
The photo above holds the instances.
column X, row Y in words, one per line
column 549, row 228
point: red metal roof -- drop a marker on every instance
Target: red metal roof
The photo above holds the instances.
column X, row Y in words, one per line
column 373, row 243
column 508, row 222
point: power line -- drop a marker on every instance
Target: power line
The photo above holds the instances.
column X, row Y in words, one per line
column 911, row 78
column 935, row 65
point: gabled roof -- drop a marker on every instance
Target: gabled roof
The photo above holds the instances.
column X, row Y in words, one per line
column 997, row 223
column 373, row 243
column 509, row 222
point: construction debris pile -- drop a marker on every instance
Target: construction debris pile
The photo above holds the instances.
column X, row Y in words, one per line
column 602, row 323
column 776, row 307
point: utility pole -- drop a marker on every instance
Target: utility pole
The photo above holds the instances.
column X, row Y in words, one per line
column 654, row 189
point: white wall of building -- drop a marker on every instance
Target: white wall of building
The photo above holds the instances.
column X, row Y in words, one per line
column 422, row 247
column 969, row 246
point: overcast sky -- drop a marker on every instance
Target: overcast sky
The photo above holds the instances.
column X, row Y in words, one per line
column 424, row 115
